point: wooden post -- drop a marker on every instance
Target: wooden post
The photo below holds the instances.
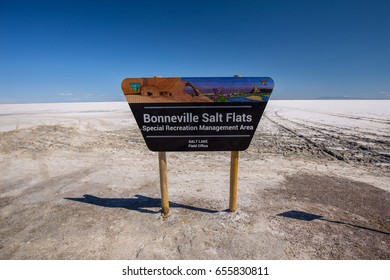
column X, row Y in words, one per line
column 162, row 160
column 233, row 181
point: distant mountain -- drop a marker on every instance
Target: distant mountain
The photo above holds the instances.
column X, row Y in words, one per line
column 335, row 98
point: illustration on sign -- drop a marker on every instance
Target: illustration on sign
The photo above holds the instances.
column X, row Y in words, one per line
column 155, row 90
column 198, row 114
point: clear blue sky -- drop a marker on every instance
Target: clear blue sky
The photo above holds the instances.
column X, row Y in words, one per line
column 81, row 50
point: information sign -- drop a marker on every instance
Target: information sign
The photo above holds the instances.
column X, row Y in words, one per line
column 198, row 114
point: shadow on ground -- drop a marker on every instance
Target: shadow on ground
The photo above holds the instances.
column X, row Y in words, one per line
column 138, row 203
column 308, row 217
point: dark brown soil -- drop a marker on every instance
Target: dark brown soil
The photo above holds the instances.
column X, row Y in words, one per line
column 333, row 218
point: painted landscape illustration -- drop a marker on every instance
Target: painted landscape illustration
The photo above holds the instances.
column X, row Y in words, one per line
column 221, row 89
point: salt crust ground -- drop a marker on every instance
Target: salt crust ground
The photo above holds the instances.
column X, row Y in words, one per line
column 77, row 182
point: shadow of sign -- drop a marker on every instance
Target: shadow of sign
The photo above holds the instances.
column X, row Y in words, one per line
column 308, row 217
column 299, row 215
column 138, row 203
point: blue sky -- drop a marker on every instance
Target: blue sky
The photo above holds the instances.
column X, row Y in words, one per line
column 53, row 51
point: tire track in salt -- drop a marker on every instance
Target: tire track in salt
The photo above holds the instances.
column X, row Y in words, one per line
column 345, row 143
column 360, row 118
column 319, row 147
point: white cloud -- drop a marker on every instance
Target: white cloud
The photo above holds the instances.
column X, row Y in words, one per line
column 79, row 97
column 385, row 93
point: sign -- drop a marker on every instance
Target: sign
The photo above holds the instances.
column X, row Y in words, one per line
column 198, row 114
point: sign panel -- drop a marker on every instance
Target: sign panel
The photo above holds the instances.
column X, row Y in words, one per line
column 198, row 114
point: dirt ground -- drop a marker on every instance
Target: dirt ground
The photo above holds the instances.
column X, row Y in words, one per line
column 89, row 189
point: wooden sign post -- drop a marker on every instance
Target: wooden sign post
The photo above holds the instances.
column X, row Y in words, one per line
column 197, row 114
column 233, row 181
column 162, row 161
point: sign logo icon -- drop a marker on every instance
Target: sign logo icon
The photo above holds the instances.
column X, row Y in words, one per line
column 135, row 86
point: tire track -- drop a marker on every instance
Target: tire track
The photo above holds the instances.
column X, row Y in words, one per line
column 337, row 144
column 321, row 148
column 345, row 143
column 341, row 130
column 360, row 118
